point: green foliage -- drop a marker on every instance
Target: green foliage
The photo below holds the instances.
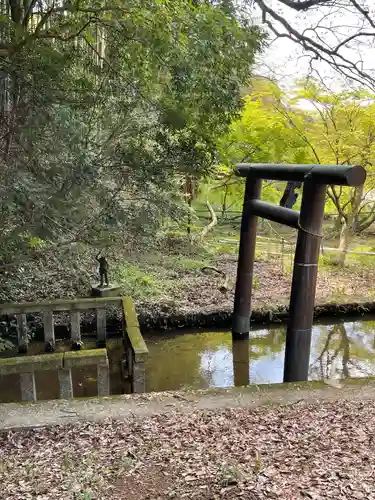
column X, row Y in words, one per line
column 104, row 111
column 277, row 127
column 140, row 282
column 182, row 263
column 339, row 130
column 83, row 495
column 328, row 260
column 262, row 134
column 5, row 344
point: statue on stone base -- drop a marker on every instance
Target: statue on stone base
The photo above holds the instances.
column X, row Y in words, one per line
column 103, row 270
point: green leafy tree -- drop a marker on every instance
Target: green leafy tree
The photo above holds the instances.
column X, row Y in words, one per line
column 105, row 108
column 262, row 134
column 337, row 129
column 341, row 131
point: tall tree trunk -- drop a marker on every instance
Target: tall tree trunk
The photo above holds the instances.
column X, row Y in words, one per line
column 366, row 222
column 337, row 223
column 224, row 204
column 189, row 193
column 189, row 217
column 347, row 224
column 344, row 240
column 211, row 224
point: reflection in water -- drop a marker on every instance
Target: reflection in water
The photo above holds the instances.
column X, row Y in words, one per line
column 209, row 359
column 241, row 358
column 343, row 350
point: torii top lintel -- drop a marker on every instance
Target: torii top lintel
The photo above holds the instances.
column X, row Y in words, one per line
column 340, row 175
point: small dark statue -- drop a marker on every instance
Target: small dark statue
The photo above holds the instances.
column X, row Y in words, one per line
column 103, row 270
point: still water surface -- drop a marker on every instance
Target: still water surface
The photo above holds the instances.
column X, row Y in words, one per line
column 204, row 359
column 211, row 359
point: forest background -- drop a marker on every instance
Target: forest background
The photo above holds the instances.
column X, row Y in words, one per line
column 120, row 125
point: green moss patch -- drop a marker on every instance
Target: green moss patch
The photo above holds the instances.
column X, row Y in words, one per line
column 74, row 359
column 26, row 364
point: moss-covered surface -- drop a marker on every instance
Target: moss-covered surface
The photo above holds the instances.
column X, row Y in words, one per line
column 25, row 364
column 130, row 315
column 44, row 413
column 132, row 330
column 137, row 343
column 268, row 314
column 53, row 361
column 58, row 305
column 290, row 386
column 75, row 359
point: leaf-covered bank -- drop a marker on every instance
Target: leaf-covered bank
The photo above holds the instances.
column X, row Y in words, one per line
column 253, row 454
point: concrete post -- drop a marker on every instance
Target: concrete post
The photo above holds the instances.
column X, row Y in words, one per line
column 65, row 383
column 101, row 326
column 28, row 389
column 139, row 377
column 103, row 379
column 22, row 333
column 75, row 325
column 49, row 331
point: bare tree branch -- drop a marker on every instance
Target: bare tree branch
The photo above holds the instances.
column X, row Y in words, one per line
column 329, row 40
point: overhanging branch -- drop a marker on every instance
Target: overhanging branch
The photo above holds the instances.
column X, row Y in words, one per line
column 318, row 46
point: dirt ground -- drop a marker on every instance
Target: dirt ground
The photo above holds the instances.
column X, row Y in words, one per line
column 318, row 444
column 199, row 292
column 293, row 452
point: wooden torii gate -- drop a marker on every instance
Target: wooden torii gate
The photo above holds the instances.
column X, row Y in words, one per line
column 308, row 222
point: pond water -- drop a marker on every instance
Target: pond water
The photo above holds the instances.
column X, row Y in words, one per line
column 210, row 359
column 201, row 359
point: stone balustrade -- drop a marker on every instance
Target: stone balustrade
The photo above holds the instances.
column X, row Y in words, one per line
column 136, row 351
column 26, row 366
column 47, row 308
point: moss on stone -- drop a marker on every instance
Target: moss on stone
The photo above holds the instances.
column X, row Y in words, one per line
column 132, row 332
column 26, row 364
column 130, row 315
column 290, row 386
column 137, row 342
column 85, row 357
column 58, row 305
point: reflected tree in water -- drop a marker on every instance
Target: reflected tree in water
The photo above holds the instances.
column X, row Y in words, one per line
column 344, row 350
column 207, row 359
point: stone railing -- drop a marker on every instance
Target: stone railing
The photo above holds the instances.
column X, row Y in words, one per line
column 26, row 366
column 74, row 306
column 135, row 348
column 136, row 351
